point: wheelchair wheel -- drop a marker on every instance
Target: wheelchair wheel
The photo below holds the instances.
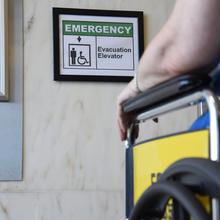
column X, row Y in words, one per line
column 153, row 201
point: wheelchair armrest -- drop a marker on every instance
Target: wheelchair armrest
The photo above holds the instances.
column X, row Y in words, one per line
column 166, row 91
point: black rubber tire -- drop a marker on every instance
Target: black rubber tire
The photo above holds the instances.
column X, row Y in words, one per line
column 162, row 191
column 200, row 174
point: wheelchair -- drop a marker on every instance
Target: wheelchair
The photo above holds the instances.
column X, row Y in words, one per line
column 175, row 177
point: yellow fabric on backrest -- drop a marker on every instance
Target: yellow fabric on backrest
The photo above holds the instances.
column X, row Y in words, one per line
column 153, row 157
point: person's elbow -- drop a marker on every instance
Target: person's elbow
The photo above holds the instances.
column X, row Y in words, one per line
column 186, row 59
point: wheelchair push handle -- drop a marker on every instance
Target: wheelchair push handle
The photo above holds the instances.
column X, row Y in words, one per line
column 166, row 91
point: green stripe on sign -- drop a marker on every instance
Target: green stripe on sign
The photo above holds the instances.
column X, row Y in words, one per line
column 86, row 28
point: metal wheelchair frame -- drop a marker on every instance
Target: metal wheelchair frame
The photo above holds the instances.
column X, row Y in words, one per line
column 195, row 98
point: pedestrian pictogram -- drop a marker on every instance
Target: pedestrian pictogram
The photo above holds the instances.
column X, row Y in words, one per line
column 79, row 55
column 73, row 56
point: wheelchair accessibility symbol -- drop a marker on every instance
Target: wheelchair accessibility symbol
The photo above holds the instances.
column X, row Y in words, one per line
column 79, row 55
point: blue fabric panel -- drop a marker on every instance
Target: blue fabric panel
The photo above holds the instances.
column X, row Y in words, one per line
column 203, row 121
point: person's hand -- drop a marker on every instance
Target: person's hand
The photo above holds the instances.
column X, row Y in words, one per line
column 124, row 119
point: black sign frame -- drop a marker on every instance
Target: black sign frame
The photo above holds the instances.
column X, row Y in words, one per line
column 56, row 42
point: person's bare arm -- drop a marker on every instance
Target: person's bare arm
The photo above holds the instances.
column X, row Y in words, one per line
column 188, row 42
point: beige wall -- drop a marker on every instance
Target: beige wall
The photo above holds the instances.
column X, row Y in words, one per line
column 73, row 158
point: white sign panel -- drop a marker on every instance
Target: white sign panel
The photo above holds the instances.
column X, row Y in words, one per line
column 3, row 51
column 105, row 46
